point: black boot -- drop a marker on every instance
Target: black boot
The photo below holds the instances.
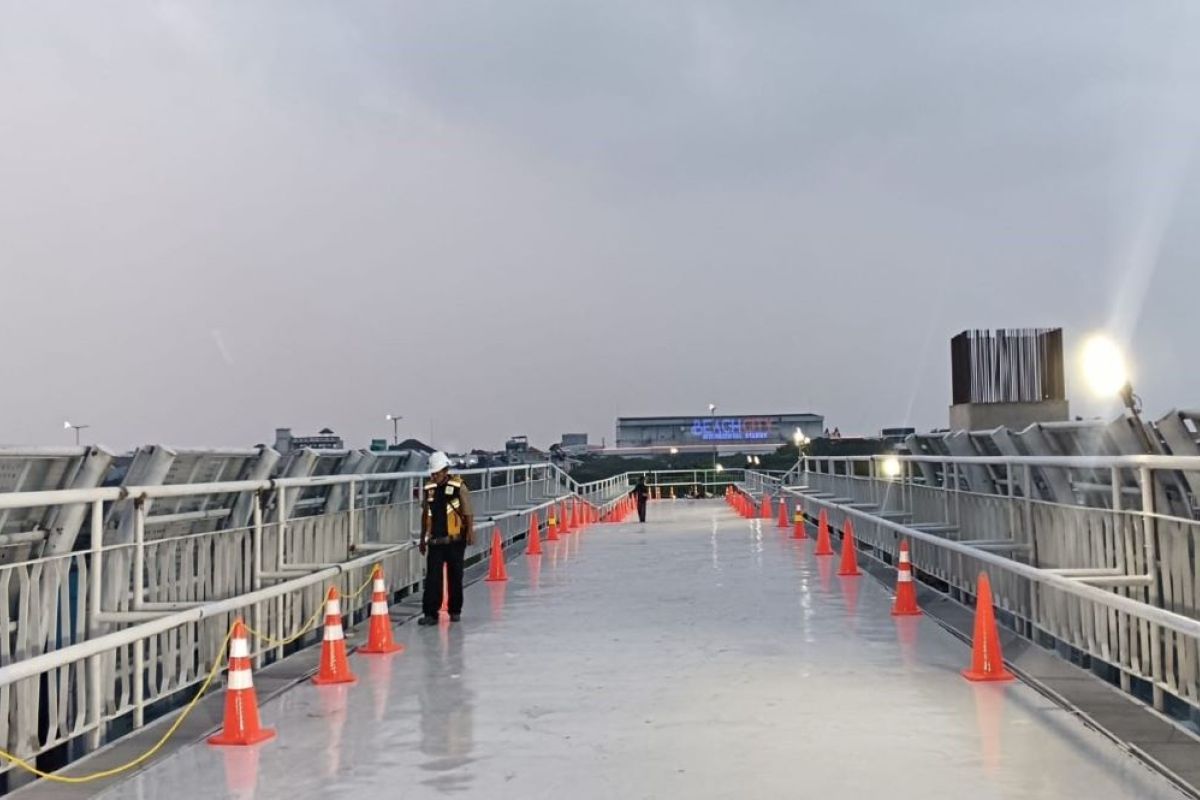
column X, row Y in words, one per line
column 427, row 620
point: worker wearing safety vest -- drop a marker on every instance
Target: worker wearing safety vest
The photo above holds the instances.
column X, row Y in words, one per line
column 447, row 530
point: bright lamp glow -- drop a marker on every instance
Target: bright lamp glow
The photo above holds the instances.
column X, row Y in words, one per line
column 890, row 466
column 67, row 425
column 720, row 468
column 674, row 451
column 1104, row 366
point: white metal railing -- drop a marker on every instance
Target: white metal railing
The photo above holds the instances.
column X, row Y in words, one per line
column 1120, row 583
column 91, row 637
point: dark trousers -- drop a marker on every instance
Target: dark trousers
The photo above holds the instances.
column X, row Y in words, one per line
column 451, row 556
column 641, row 510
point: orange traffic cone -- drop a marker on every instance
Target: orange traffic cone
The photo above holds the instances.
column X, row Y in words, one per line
column 849, row 566
column 379, row 630
column 565, row 516
column 783, row 522
column 552, row 527
column 906, row 590
column 535, row 541
column 987, row 661
column 335, row 668
column 241, row 704
column 497, row 571
column 798, row 532
column 766, row 506
column 824, row 545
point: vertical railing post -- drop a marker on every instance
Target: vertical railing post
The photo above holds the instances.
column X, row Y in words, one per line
column 280, row 526
column 1118, row 502
column 139, row 552
column 1027, row 504
column 95, row 593
column 957, row 496
column 256, row 572
column 1150, row 528
column 352, row 535
column 1012, row 499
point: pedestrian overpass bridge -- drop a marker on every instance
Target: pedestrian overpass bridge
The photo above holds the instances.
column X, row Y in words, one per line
column 702, row 654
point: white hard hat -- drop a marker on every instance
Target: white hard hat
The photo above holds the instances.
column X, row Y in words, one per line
column 438, row 462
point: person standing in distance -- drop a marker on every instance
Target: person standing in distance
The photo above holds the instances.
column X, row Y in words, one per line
column 641, row 493
column 447, row 530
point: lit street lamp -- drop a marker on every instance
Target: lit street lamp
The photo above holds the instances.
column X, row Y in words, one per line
column 1106, row 374
column 890, row 467
column 77, row 428
column 395, row 420
column 798, row 438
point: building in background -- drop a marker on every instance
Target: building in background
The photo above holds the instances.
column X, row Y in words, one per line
column 408, row 445
column 896, row 436
column 717, row 432
column 574, row 443
column 1007, row 378
column 285, row 442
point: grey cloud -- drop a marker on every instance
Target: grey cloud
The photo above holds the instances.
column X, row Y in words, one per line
column 596, row 207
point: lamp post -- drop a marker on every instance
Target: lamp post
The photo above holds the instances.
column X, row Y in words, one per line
column 77, row 428
column 1106, row 374
column 395, row 420
column 712, row 413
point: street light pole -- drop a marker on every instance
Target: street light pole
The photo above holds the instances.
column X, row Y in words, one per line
column 77, row 428
column 395, row 420
column 712, row 413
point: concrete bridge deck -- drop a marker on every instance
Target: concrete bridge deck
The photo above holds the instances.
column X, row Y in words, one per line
column 699, row 655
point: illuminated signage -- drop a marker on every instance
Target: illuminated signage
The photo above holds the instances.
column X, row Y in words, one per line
column 731, row 429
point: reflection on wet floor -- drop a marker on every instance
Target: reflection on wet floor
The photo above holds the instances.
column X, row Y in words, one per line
column 699, row 655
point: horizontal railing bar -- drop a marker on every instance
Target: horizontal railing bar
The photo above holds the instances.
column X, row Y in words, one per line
column 1159, row 616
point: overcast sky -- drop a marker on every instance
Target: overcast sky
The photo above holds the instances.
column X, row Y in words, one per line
column 527, row 217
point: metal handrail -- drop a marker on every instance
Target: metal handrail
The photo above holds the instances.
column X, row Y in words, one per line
column 1154, row 614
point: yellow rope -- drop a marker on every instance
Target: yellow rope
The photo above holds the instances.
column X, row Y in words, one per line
column 308, row 626
column 212, row 674
column 312, row 621
column 108, row 773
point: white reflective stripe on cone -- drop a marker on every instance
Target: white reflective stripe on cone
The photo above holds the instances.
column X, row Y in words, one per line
column 333, row 608
column 904, row 577
column 379, row 587
column 333, row 633
column 904, row 557
column 239, row 648
column 240, row 679
column 379, row 608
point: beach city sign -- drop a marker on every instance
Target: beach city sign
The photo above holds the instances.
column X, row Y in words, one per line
column 732, row 429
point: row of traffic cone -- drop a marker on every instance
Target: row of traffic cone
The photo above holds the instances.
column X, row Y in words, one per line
column 620, row 510
column 987, row 659
column 242, row 726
